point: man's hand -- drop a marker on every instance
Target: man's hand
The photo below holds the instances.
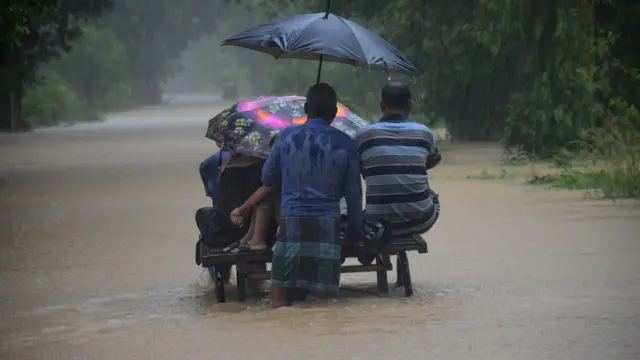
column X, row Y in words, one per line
column 237, row 217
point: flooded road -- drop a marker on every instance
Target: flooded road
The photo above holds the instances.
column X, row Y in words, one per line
column 97, row 237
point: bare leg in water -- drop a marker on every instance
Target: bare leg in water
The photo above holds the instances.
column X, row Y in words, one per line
column 260, row 218
column 263, row 215
column 279, row 297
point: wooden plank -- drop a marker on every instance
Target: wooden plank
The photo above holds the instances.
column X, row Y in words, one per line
column 218, row 258
column 210, row 258
column 361, row 268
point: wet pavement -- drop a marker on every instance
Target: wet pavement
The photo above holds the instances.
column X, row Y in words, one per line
column 97, row 236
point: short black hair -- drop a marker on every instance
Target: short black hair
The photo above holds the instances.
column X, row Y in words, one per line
column 322, row 102
column 396, row 95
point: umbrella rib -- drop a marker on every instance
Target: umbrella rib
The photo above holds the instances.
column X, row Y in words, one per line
column 346, row 23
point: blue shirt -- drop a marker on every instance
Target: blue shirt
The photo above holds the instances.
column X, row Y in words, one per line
column 210, row 174
column 315, row 165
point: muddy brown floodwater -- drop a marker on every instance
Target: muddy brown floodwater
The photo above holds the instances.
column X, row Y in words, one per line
column 97, row 238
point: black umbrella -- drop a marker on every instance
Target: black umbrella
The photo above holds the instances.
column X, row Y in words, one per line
column 323, row 37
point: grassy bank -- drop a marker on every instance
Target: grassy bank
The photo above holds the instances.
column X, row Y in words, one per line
column 607, row 167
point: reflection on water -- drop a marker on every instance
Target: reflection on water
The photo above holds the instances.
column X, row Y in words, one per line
column 96, row 261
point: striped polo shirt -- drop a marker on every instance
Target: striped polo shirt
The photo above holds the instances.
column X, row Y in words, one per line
column 393, row 154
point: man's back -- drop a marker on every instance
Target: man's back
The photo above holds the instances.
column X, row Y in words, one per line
column 314, row 160
column 394, row 154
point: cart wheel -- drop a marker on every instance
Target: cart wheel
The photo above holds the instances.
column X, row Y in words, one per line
column 383, row 283
column 405, row 273
column 220, row 296
column 199, row 252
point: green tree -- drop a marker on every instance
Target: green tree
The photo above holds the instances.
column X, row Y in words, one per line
column 34, row 32
column 79, row 85
column 155, row 33
column 96, row 68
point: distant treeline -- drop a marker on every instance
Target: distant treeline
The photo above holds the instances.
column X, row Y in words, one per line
column 65, row 61
column 536, row 75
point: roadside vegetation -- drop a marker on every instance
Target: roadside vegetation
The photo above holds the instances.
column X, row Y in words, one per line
column 550, row 81
column 608, row 165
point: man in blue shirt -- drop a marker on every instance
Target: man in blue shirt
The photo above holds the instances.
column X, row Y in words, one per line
column 314, row 165
column 210, row 173
column 205, row 217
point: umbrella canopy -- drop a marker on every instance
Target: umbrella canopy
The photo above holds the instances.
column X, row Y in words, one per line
column 323, row 36
column 247, row 126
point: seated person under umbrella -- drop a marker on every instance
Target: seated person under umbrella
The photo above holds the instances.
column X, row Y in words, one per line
column 238, row 181
column 264, row 209
column 210, row 175
column 239, row 178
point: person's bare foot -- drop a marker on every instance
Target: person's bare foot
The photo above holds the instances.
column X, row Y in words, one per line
column 257, row 247
column 279, row 297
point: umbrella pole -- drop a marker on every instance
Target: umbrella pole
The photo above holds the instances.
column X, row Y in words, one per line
column 326, row 16
column 319, row 70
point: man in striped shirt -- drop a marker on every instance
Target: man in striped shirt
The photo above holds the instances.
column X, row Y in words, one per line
column 395, row 154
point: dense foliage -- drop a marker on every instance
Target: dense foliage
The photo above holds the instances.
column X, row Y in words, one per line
column 532, row 73
column 69, row 60
column 32, row 33
column 154, row 34
column 81, row 84
column 541, row 76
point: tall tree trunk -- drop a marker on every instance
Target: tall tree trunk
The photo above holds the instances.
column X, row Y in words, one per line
column 5, row 111
column 11, row 109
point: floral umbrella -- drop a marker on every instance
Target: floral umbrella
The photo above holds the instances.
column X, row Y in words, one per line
column 247, row 126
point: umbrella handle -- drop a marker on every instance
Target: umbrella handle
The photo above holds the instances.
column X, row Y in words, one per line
column 319, row 70
column 326, row 16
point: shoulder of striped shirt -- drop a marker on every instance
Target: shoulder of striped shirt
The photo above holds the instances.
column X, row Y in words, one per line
column 381, row 125
column 366, row 132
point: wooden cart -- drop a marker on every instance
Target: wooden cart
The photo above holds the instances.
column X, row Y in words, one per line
column 383, row 264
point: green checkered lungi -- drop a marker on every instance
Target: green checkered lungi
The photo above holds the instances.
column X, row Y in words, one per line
column 307, row 254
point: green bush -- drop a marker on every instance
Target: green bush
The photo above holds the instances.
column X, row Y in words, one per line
column 616, row 149
column 96, row 69
column 80, row 85
column 610, row 158
column 51, row 102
